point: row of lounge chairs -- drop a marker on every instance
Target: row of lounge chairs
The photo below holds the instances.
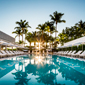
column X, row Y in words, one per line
column 72, row 53
column 10, row 53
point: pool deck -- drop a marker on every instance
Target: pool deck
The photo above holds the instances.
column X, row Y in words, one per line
column 10, row 57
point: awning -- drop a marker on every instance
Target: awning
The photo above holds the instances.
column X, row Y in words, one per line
column 75, row 42
column 4, row 43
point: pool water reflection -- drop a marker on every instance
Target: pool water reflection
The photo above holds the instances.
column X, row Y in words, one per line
column 42, row 70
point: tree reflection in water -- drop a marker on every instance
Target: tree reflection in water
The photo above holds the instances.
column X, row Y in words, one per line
column 46, row 71
column 46, row 78
column 69, row 73
column 21, row 76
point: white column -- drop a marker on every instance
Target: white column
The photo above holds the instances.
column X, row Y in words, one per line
column 5, row 48
column 12, row 49
column 16, row 48
column 29, row 51
column 43, row 51
column 47, row 53
column 0, row 48
column 32, row 51
column 36, row 51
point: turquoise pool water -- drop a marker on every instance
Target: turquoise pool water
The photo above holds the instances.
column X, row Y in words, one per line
column 42, row 70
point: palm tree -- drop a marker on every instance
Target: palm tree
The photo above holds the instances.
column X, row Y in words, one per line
column 18, row 32
column 81, row 26
column 56, row 17
column 52, row 39
column 62, row 38
column 42, row 28
column 23, row 25
column 46, row 39
column 25, row 32
column 34, row 39
column 29, row 38
column 50, row 27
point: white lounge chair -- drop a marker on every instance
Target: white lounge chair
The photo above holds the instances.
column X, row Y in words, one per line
column 8, row 53
column 60, row 52
column 72, row 53
column 69, row 53
column 82, row 54
column 54, row 53
column 65, row 53
column 15, row 52
column 77, row 54
column 5, row 53
column 18, row 52
column 2, row 55
column 12, row 53
column 21, row 52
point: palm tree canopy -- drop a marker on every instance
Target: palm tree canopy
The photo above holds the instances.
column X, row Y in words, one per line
column 25, row 31
column 41, row 27
column 34, row 34
column 80, row 24
column 56, row 17
column 18, row 32
column 50, row 27
column 23, row 25
column 29, row 37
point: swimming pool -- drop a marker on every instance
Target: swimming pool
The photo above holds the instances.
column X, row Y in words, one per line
column 42, row 70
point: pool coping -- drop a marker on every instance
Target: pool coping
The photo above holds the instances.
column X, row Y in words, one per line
column 10, row 57
column 81, row 59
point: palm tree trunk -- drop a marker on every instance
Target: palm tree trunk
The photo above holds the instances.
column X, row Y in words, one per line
column 19, row 38
column 22, row 35
column 42, row 35
column 22, row 38
column 46, row 45
column 30, row 45
column 50, row 42
column 56, row 31
column 34, row 44
column 25, row 40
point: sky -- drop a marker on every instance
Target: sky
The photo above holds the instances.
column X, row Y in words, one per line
column 37, row 12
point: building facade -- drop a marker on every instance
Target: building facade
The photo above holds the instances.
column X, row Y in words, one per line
column 6, row 37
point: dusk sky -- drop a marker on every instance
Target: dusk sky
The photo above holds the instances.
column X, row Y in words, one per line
column 38, row 11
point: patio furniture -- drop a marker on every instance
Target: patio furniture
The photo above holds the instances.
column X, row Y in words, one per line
column 82, row 54
column 9, row 53
column 72, row 53
column 65, row 53
column 77, row 54
column 69, row 53
column 5, row 53
column 2, row 55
